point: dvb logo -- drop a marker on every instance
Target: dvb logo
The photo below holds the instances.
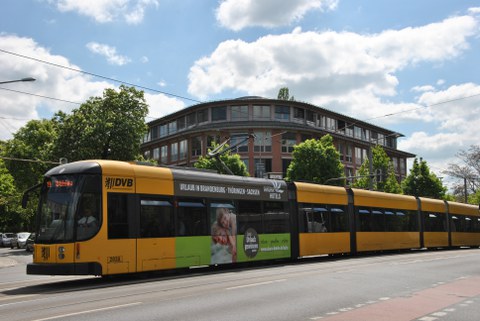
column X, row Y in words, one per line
column 117, row 182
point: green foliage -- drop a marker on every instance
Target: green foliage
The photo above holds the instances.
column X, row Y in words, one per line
column 284, row 94
column 474, row 198
column 421, row 182
column 233, row 162
column 380, row 164
column 108, row 127
column 316, row 161
column 12, row 216
column 34, row 141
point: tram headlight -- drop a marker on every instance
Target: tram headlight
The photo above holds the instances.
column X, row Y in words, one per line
column 61, row 252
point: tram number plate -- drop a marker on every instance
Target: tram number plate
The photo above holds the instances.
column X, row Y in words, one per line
column 114, row 259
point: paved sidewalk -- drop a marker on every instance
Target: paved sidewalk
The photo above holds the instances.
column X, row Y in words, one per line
column 9, row 257
column 7, row 261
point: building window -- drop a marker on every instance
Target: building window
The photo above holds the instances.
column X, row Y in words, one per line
column 357, row 132
column 239, row 113
column 202, row 116
column 401, row 162
column 381, row 139
column 172, row 127
column 262, row 166
column 341, row 150
column 391, row 142
column 288, row 141
column 365, row 134
column 164, row 154
column 360, row 155
column 156, row 153
column 219, row 113
column 163, row 130
column 174, row 152
column 298, row 115
column 191, row 120
column 183, row 149
column 348, row 154
column 395, row 164
column 238, row 138
column 261, row 112
column 282, row 113
column 155, row 132
column 310, row 117
column 330, row 123
column 341, row 125
column 197, row 146
column 262, row 142
column 181, row 124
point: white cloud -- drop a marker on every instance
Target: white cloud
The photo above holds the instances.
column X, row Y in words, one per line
column 108, row 52
column 25, row 101
column 454, row 115
column 104, row 11
column 161, row 105
column 239, row 14
column 422, row 88
column 319, row 66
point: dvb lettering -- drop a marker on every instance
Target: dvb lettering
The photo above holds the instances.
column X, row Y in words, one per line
column 124, row 182
column 111, row 182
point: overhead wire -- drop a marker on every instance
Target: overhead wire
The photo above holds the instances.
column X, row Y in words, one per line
column 98, row 75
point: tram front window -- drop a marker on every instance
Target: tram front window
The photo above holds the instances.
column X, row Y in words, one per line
column 64, row 202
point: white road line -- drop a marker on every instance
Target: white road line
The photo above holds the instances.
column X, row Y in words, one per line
column 255, row 284
column 89, row 311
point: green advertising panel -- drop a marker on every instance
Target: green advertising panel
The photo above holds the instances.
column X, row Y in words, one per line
column 192, row 251
column 254, row 247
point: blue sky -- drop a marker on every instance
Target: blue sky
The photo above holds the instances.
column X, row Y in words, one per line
column 365, row 59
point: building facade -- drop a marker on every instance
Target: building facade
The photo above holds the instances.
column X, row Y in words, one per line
column 275, row 127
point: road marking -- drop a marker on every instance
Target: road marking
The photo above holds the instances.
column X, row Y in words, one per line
column 89, row 311
column 255, row 284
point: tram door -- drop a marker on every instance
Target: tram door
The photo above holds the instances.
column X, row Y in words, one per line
column 156, row 242
column 120, row 249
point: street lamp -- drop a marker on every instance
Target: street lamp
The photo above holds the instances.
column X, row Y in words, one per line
column 18, row 80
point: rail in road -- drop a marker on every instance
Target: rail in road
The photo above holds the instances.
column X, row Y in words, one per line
column 426, row 286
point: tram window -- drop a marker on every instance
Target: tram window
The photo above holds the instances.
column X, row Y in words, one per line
column 378, row 221
column 276, row 217
column 117, row 216
column 338, row 219
column 411, row 221
column 250, row 216
column 364, row 219
column 434, row 222
column 191, row 217
column 156, row 217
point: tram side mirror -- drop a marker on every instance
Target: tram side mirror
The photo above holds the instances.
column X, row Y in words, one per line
column 26, row 194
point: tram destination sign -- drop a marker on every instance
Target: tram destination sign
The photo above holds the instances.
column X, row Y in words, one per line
column 272, row 190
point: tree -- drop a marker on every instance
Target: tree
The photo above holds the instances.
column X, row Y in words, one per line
column 283, row 94
column 381, row 164
column 421, row 182
column 108, row 127
column 316, row 161
column 467, row 173
column 232, row 161
column 29, row 153
column 12, row 216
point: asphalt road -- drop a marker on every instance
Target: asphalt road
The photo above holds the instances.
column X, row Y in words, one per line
column 420, row 285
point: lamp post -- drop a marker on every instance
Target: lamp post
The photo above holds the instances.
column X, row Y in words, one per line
column 17, row 80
